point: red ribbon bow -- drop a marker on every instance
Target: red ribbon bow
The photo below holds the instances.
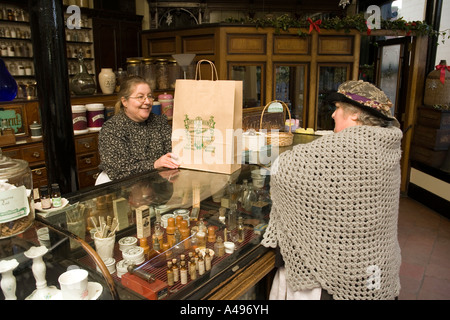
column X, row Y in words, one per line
column 442, row 67
column 314, row 25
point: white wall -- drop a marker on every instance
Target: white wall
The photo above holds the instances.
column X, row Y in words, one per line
column 443, row 50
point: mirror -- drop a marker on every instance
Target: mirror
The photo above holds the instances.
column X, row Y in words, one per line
column 290, row 88
column 252, row 79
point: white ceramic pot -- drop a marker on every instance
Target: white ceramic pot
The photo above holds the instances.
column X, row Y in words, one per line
column 107, row 80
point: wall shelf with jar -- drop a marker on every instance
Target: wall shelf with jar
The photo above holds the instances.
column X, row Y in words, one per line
column 80, row 40
column 16, row 49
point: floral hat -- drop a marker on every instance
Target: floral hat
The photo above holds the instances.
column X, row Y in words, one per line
column 364, row 95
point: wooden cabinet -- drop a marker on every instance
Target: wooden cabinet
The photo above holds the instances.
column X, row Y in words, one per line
column 32, row 150
column 273, row 64
column 115, row 41
column 86, row 148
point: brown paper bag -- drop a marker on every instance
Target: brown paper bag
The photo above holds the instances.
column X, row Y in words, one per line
column 207, row 123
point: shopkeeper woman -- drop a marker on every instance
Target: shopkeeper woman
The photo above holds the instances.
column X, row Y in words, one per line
column 135, row 140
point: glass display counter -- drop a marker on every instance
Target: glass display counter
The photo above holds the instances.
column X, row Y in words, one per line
column 204, row 219
column 192, row 209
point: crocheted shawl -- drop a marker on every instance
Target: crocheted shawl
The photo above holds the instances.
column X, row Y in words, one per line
column 334, row 213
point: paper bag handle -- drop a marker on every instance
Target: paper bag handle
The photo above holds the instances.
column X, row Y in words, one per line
column 199, row 73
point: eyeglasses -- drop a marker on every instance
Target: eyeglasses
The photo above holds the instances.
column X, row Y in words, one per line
column 142, row 99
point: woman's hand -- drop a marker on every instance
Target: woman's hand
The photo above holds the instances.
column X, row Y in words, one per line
column 169, row 160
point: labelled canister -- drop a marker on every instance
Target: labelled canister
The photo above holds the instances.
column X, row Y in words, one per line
column 166, row 104
column 156, row 107
column 95, row 116
column 79, row 119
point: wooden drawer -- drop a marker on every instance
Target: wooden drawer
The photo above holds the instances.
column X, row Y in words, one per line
column 13, row 153
column 39, row 176
column 88, row 160
column 86, row 144
column 87, row 178
column 34, row 153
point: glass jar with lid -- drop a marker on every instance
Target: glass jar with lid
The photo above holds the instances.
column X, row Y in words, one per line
column 134, row 67
column 174, row 73
column 162, row 74
column 16, row 200
column 149, row 71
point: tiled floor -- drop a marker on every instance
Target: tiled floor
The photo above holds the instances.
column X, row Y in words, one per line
column 424, row 237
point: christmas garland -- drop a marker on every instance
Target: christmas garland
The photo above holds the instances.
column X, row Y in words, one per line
column 347, row 23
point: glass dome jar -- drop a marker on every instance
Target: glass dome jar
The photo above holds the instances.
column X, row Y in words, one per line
column 16, row 201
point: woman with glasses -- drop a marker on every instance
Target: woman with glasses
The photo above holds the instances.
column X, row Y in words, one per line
column 135, row 140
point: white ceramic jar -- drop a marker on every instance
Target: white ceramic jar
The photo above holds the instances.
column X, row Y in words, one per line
column 107, row 80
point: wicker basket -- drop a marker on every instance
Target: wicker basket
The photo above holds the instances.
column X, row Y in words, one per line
column 276, row 138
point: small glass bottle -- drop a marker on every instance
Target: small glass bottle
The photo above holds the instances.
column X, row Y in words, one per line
column 231, row 223
column 244, row 190
column 158, row 233
column 183, row 272
column 193, row 240
column 249, row 198
column 219, row 247
column 56, row 196
column 178, row 248
column 241, row 231
column 201, row 238
column 193, row 268
column 207, row 260
column 170, row 277
column 46, row 202
column 201, row 264
column 176, row 271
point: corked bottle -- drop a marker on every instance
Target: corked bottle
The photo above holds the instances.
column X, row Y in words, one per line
column 437, row 86
column 170, row 231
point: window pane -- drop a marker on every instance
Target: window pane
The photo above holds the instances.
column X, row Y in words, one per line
column 290, row 88
column 329, row 80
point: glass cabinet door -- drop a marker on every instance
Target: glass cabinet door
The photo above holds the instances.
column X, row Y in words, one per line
column 329, row 78
column 252, row 76
column 290, row 88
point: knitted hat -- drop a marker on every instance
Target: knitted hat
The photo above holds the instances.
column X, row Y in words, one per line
column 363, row 95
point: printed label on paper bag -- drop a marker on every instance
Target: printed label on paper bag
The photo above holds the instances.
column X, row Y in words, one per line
column 199, row 133
column 13, row 204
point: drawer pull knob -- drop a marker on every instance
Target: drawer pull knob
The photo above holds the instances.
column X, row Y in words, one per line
column 36, row 154
column 38, row 172
column 88, row 161
column 87, row 145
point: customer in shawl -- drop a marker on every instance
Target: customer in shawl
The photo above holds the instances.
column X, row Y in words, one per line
column 335, row 205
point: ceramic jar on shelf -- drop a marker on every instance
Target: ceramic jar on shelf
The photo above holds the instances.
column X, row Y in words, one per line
column 107, row 80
